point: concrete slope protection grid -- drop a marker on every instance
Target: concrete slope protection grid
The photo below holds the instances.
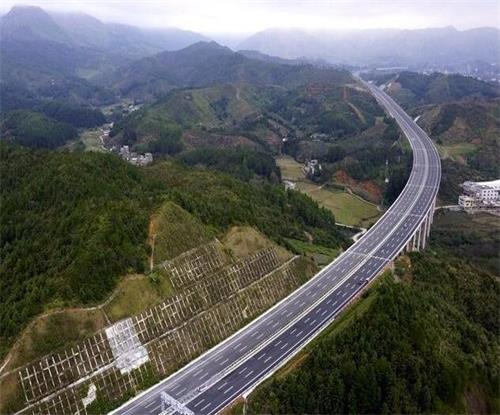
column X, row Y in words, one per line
column 237, row 365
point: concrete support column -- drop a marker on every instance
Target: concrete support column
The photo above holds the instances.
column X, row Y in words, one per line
column 423, row 230
column 432, row 210
column 429, row 221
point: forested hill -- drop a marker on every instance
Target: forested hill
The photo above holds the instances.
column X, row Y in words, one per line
column 205, row 63
column 411, row 88
column 426, row 342
column 72, row 223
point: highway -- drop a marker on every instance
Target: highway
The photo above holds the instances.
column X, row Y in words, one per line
column 234, row 367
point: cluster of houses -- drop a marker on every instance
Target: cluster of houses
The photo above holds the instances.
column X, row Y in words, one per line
column 312, row 168
column 135, row 158
column 480, row 196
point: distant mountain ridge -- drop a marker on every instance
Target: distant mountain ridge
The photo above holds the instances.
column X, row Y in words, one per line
column 30, row 23
column 386, row 47
column 127, row 40
column 56, row 55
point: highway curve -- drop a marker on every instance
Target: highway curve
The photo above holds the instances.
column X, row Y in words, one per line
column 238, row 364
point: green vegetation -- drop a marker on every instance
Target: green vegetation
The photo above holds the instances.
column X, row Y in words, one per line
column 290, row 169
column 73, row 223
column 472, row 237
column 222, row 201
column 207, row 63
column 216, row 110
column 427, row 344
column 173, row 231
column 54, row 330
column 153, row 288
column 90, row 140
column 348, row 209
column 78, row 116
column 242, row 163
column 438, row 88
column 461, row 115
column 241, row 241
column 32, row 129
column 320, row 254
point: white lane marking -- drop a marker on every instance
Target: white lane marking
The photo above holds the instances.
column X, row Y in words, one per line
column 248, row 374
column 199, row 402
column 206, row 406
column 149, row 404
column 154, row 409
column 228, row 389
column 222, row 385
column 268, row 359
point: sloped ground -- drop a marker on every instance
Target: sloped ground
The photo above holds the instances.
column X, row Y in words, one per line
column 218, row 288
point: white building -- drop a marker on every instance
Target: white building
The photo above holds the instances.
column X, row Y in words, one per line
column 480, row 194
column 312, row 168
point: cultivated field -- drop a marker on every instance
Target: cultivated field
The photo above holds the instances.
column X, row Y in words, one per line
column 348, row 209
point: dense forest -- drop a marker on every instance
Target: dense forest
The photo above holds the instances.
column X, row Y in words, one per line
column 428, row 343
column 36, row 130
column 242, row 163
column 72, row 223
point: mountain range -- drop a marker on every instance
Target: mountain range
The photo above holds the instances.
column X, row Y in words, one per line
column 383, row 47
column 33, row 24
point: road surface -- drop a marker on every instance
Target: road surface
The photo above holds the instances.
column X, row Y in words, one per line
column 237, row 365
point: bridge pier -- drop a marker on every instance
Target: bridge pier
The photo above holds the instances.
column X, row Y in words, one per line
column 419, row 239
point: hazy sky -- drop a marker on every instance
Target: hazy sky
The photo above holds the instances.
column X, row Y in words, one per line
column 246, row 16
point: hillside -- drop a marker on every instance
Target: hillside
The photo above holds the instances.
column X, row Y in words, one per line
column 32, row 129
column 411, row 88
column 205, row 63
column 73, row 223
column 424, row 340
column 339, row 124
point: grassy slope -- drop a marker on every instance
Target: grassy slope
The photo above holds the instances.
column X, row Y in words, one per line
column 173, row 231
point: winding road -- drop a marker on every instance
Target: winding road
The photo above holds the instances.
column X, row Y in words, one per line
column 237, row 365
